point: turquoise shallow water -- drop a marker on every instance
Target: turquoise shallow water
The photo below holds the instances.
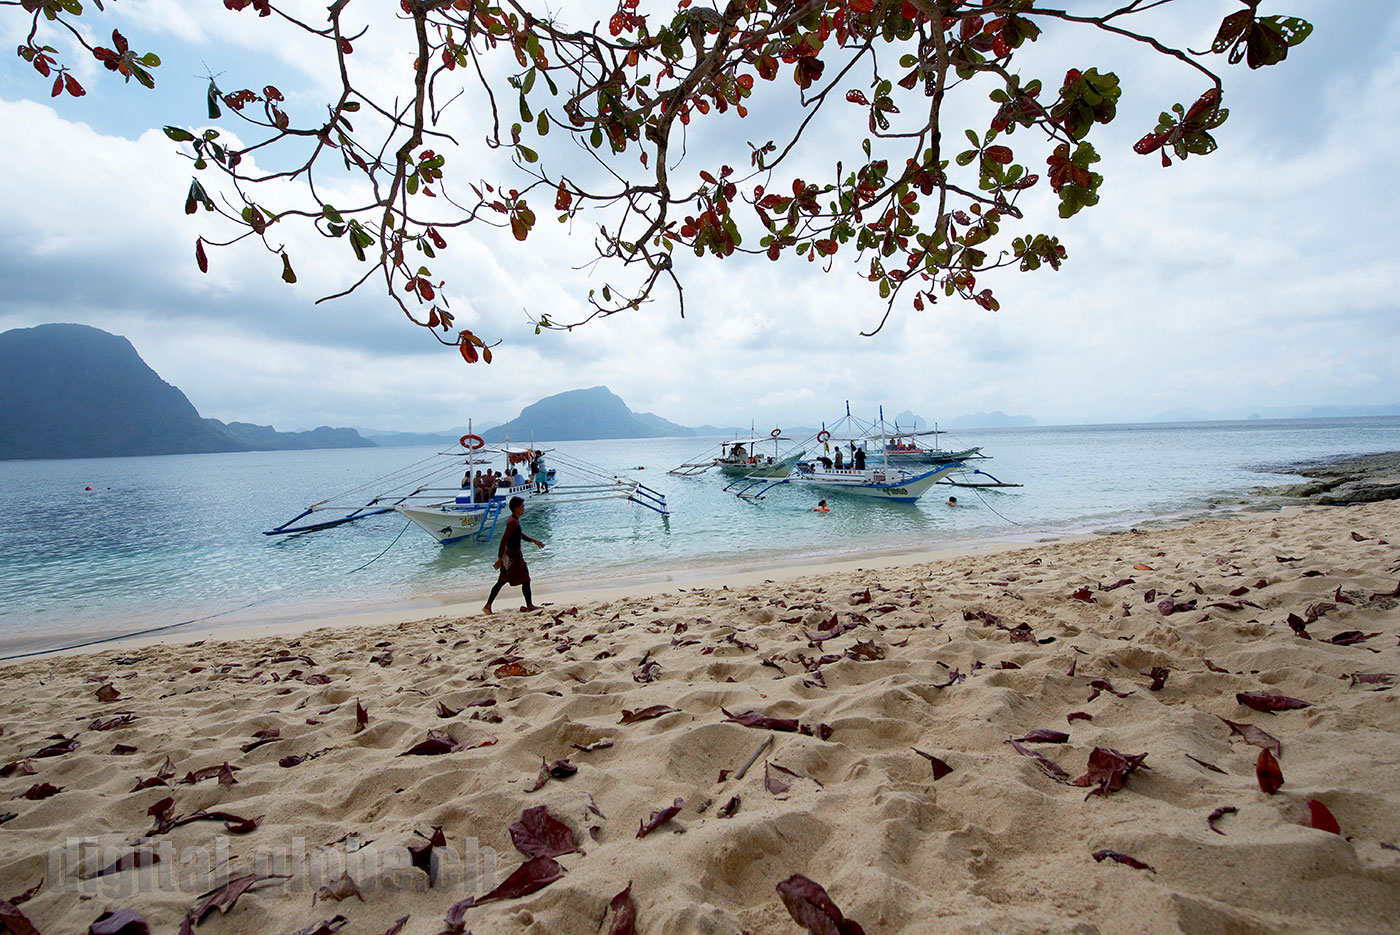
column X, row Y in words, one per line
column 161, row 540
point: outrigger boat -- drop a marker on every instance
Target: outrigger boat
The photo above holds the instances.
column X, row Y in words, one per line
column 871, row 470
column 428, row 494
column 741, row 457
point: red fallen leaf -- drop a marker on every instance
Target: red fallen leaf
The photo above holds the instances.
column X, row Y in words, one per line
column 1007, row 665
column 14, row 921
column 1078, row 716
column 1341, row 598
column 1232, row 605
column 1322, row 818
column 539, row 834
column 7, row 816
column 1383, row 679
column 1101, row 856
column 121, row 720
column 811, row 907
column 28, row 894
column 1047, row 765
column 1083, row 594
column 1261, row 583
column 953, row 678
column 1158, row 675
column 272, row 735
column 1115, row 585
column 1149, row 596
column 121, row 922
column 163, row 809
column 940, row 768
column 424, row 856
column 513, row 670
column 40, row 790
column 1270, row 704
column 361, row 716
column 535, row 874
column 645, row 714
column 317, row 679
column 660, row 818
column 1266, row 770
column 396, row 928
column 1140, row 566
column 1104, row 685
column 728, row 809
column 343, row 888
column 1286, row 558
column 436, row 743
column 108, row 693
column 1350, row 638
column 17, row 768
column 1215, row 668
column 133, row 860
column 624, row 913
column 224, row 773
column 861, row 597
column 865, row 650
column 595, row 745
column 754, row 719
column 287, row 762
column 1357, row 537
column 443, row 711
column 1256, row 736
column 1218, row 814
column 1042, row 735
column 1108, row 770
column 1378, row 596
column 333, row 925
column 1197, row 588
column 1168, row 606
column 1210, row 766
column 774, row 785
column 484, row 703
column 223, row 898
column 1314, row 611
column 1239, row 591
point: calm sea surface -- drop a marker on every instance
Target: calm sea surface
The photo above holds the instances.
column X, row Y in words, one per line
column 163, row 540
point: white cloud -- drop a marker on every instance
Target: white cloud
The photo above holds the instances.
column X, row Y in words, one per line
column 1260, row 275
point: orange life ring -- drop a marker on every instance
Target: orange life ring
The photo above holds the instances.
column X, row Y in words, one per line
column 463, row 441
column 775, row 433
column 823, row 436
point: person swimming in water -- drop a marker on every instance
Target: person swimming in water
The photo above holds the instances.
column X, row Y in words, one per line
column 821, row 507
column 953, row 501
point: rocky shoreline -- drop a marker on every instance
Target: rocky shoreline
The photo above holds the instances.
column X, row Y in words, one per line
column 1346, row 481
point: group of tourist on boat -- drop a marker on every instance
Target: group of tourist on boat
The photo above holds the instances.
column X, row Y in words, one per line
column 484, row 484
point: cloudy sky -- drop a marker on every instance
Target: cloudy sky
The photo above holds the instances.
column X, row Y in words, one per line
column 1264, row 275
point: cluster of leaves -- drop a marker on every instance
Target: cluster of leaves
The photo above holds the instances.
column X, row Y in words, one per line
column 920, row 220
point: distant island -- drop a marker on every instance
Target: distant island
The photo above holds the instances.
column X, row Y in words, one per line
column 72, row 391
column 584, row 414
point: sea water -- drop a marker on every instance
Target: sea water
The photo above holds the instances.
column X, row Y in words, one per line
column 165, row 540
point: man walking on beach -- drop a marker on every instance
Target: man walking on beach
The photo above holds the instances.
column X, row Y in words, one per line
column 510, row 560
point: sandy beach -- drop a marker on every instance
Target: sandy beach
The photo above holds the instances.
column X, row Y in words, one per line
column 943, row 746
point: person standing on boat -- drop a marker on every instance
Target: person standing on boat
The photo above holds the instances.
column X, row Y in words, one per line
column 511, row 560
column 859, row 459
column 838, row 459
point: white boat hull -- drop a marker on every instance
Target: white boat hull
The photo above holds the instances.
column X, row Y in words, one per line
column 761, row 467
column 892, row 484
column 447, row 523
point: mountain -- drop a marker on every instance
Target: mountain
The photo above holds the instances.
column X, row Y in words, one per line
column 71, row 391
column 266, row 438
column 583, row 414
column 989, row 420
column 1274, row 412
